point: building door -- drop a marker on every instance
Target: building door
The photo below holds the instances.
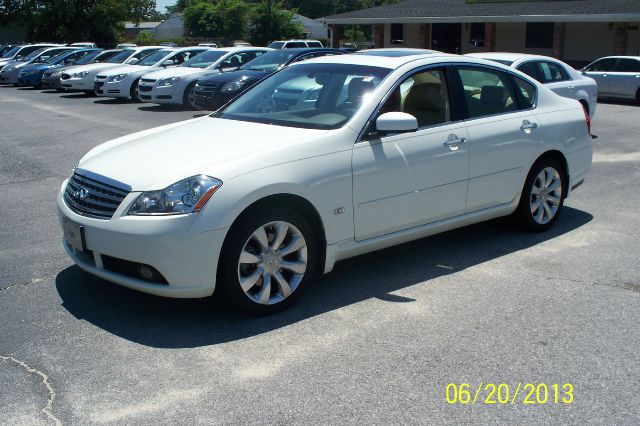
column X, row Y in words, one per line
column 446, row 37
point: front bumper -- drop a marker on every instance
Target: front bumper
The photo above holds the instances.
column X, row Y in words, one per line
column 9, row 77
column 188, row 261
column 160, row 95
column 211, row 103
column 74, row 83
column 50, row 82
column 29, row 80
column 112, row 90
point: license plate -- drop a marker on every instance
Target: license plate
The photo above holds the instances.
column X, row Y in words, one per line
column 73, row 234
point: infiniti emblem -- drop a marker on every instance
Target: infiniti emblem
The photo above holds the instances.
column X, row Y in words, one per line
column 81, row 194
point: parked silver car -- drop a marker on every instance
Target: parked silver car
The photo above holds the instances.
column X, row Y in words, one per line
column 617, row 76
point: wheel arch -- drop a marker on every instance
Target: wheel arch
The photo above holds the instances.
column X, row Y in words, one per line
column 294, row 202
column 560, row 158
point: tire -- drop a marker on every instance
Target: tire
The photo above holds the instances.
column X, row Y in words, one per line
column 186, row 102
column 244, row 259
column 542, row 200
column 638, row 96
column 90, row 92
column 133, row 93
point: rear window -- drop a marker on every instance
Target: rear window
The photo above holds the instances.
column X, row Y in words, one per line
column 314, row 44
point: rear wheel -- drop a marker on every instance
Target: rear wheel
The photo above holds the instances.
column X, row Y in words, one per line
column 267, row 260
column 542, row 196
column 638, row 96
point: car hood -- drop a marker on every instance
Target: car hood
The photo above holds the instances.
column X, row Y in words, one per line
column 95, row 67
column 226, row 77
column 156, row 158
column 131, row 69
column 179, row 72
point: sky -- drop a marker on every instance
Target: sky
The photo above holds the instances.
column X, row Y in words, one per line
column 161, row 4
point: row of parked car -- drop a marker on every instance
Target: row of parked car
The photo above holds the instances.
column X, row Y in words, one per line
column 208, row 77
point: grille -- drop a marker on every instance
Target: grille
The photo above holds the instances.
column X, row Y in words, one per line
column 65, row 76
column 206, row 89
column 101, row 77
column 147, row 80
column 92, row 195
column 144, row 88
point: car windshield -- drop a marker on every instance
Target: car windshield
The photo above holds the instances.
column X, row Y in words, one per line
column 33, row 54
column 90, row 57
column 152, row 59
column 11, row 52
column 310, row 96
column 269, row 61
column 121, row 57
column 205, row 59
column 276, row 45
column 57, row 58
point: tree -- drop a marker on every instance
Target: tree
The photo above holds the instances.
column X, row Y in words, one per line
column 272, row 22
column 224, row 19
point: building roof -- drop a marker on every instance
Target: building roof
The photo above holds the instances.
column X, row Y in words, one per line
column 418, row 11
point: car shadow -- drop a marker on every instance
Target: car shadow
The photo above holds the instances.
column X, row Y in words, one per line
column 163, row 108
column 114, row 101
column 612, row 101
column 187, row 323
column 29, row 88
column 80, row 95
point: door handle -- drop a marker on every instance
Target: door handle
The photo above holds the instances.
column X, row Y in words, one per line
column 570, row 87
column 454, row 142
column 527, row 126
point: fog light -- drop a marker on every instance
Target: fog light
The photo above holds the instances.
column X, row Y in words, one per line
column 146, row 272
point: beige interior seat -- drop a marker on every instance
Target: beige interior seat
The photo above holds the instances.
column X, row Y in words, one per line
column 426, row 103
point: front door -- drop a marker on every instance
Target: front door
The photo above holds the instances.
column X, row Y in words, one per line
column 409, row 179
column 599, row 71
column 446, row 37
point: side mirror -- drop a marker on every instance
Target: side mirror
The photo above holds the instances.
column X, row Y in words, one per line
column 133, row 61
column 396, row 122
column 18, row 57
column 168, row 63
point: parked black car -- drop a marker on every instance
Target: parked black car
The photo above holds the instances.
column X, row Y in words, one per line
column 214, row 91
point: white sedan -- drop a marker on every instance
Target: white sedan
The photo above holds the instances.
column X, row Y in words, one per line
column 83, row 77
column 556, row 75
column 617, row 76
column 177, row 85
column 122, row 82
column 261, row 196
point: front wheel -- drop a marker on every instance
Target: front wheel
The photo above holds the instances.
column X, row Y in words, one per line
column 134, row 91
column 542, row 196
column 267, row 261
column 189, row 97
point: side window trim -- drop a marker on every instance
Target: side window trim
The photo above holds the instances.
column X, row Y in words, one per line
column 444, row 67
column 509, row 82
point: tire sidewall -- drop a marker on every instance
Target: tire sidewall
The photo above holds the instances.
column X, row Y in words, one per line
column 185, row 96
column 234, row 243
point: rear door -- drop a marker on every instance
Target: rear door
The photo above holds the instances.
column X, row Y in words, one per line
column 503, row 132
column 624, row 77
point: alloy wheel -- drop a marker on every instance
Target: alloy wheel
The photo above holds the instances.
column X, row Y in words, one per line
column 546, row 195
column 272, row 262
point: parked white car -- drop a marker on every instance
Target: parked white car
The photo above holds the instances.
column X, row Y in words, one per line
column 17, row 53
column 260, row 196
column 617, row 76
column 176, row 85
column 9, row 72
column 122, row 82
column 556, row 75
column 294, row 44
column 83, row 78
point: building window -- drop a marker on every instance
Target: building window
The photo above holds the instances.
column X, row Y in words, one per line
column 397, row 33
column 539, row 35
column 476, row 35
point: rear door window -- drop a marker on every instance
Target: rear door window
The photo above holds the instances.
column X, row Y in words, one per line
column 626, row 65
column 487, row 92
column 552, row 72
column 531, row 69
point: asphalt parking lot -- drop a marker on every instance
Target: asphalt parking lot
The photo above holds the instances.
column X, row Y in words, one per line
column 376, row 341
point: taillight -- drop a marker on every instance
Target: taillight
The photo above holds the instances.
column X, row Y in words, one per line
column 587, row 119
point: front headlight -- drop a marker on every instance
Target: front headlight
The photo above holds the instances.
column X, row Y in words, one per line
column 116, row 78
column 233, row 86
column 187, row 196
column 81, row 74
column 168, row 81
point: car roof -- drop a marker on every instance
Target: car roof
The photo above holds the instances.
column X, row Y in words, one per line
column 395, row 52
column 390, row 62
column 509, row 56
column 620, row 57
column 301, row 50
